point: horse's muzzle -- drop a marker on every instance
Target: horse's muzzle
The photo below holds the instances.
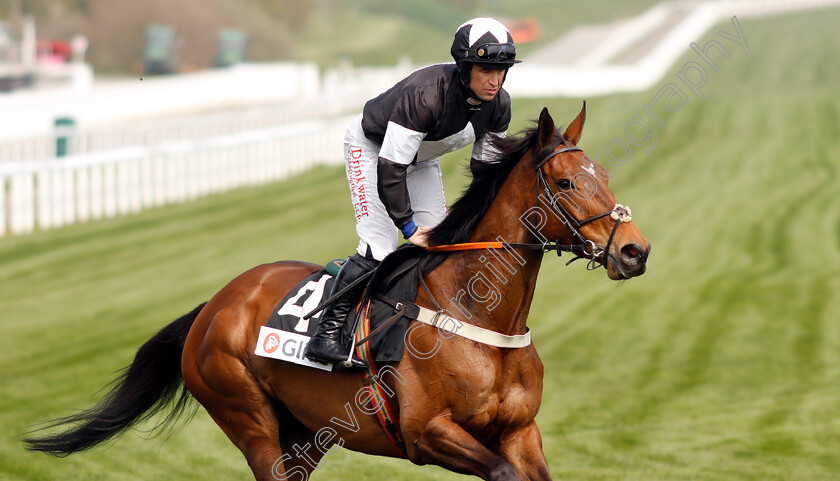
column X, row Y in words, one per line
column 631, row 261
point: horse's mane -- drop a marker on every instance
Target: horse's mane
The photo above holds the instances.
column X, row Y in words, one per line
column 488, row 179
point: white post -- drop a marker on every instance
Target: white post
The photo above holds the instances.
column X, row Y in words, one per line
column 181, row 176
column 109, row 187
column 83, row 193
column 147, row 181
column 192, row 175
column 28, row 42
column 2, row 205
column 133, row 183
column 22, row 210
column 217, row 179
column 161, row 169
column 97, row 202
column 228, row 170
column 56, row 186
column 45, row 203
column 205, row 172
column 122, row 187
column 248, row 152
column 170, row 177
column 262, row 160
column 69, row 200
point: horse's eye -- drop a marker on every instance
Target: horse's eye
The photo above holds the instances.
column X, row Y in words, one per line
column 564, row 184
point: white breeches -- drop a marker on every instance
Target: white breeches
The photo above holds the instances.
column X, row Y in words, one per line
column 375, row 228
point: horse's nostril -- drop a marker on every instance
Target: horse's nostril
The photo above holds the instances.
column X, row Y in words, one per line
column 632, row 254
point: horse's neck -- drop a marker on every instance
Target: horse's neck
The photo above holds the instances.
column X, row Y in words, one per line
column 499, row 284
column 517, row 195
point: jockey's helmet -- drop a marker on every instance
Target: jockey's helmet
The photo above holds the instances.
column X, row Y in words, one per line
column 484, row 41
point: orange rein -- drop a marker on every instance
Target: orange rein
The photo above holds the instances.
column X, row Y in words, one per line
column 580, row 249
column 466, row 246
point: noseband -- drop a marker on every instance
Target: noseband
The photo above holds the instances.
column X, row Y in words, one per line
column 585, row 247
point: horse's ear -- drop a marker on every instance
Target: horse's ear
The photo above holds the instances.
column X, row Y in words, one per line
column 545, row 130
column 575, row 129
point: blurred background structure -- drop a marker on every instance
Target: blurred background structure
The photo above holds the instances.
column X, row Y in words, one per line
column 194, row 92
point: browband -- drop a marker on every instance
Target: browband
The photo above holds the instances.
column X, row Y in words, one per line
column 550, row 156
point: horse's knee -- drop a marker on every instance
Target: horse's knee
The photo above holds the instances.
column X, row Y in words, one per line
column 285, row 468
column 503, row 472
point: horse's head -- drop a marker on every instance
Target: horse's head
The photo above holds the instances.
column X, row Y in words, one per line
column 585, row 213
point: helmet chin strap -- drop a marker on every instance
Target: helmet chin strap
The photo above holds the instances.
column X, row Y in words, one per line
column 464, row 78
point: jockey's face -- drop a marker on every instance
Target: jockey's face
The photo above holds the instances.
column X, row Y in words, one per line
column 486, row 82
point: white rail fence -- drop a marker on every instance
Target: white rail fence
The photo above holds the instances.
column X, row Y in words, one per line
column 107, row 122
column 82, row 141
column 54, row 193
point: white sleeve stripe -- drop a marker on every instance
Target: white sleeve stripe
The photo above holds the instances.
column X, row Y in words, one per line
column 485, row 150
column 400, row 144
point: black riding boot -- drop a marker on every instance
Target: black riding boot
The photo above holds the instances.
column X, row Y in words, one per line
column 327, row 345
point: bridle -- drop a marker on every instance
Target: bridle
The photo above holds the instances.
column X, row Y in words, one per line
column 586, row 248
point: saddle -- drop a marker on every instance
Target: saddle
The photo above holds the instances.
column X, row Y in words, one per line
column 287, row 331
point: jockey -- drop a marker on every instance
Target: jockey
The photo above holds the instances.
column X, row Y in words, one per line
column 392, row 152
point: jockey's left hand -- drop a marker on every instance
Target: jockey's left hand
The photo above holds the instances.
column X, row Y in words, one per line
column 420, row 236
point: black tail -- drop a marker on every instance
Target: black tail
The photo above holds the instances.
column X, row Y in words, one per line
column 145, row 387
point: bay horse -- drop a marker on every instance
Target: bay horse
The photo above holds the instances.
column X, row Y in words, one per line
column 469, row 407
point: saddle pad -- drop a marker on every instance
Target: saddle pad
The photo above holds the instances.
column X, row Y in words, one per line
column 286, row 333
column 301, row 300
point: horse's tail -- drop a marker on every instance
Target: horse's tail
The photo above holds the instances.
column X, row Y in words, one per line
column 145, row 387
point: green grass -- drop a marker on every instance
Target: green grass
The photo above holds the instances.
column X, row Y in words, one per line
column 721, row 363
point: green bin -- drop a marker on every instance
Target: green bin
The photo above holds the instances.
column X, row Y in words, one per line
column 65, row 134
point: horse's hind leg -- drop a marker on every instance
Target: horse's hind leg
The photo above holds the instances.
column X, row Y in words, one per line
column 233, row 397
column 247, row 415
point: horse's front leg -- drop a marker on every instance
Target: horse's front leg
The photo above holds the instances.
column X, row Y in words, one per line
column 522, row 447
column 446, row 444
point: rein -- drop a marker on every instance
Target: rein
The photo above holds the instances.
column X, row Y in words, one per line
column 578, row 249
column 586, row 247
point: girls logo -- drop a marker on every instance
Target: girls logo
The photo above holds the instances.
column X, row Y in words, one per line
column 271, row 343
